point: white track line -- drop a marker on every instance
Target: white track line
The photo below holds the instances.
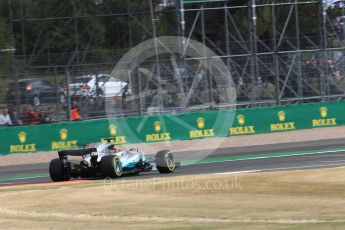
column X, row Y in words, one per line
column 333, row 155
column 278, row 169
column 4, row 183
column 328, row 155
column 334, row 161
column 268, row 157
column 236, row 172
column 303, row 167
column 22, row 178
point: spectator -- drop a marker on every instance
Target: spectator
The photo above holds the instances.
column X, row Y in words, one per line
column 45, row 116
column 14, row 118
column 51, row 115
column 42, row 116
column 5, row 118
column 75, row 112
column 30, row 116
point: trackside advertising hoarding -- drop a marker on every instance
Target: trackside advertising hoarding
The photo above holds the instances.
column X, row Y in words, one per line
column 187, row 126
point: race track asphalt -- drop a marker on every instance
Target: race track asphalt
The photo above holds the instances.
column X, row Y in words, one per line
column 292, row 156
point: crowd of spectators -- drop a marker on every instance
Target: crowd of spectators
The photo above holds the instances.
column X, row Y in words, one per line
column 29, row 116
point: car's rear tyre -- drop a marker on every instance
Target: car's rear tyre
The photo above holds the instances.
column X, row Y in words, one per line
column 57, row 171
column 165, row 161
column 111, row 166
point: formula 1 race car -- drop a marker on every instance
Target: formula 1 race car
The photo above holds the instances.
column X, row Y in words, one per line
column 106, row 160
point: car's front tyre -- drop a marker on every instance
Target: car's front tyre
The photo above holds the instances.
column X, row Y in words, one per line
column 111, row 166
column 165, row 161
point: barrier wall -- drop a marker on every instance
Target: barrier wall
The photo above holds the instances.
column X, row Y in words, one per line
column 66, row 135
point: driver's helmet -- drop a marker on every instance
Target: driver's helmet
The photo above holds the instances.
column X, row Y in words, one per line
column 115, row 149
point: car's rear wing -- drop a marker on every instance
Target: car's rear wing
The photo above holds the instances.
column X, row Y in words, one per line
column 77, row 152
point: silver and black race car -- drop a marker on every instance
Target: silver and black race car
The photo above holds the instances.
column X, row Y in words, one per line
column 106, row 160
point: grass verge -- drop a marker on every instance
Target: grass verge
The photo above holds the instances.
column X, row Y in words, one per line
column 305, row 199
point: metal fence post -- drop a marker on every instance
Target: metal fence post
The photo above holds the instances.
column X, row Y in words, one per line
column 68, row 80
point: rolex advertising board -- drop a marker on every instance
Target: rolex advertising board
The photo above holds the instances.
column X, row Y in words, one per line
column 167, row 127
